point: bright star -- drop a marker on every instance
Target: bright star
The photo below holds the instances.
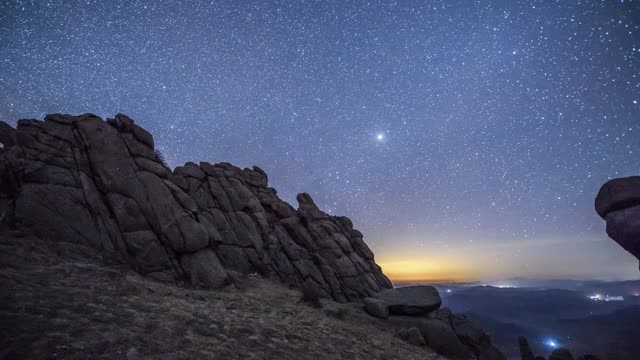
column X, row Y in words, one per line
column 552, row 343
column 380, row 136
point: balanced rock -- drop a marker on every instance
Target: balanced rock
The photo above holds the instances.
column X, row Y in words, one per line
column 618, row 202
column 101, row 183
column 411, row 300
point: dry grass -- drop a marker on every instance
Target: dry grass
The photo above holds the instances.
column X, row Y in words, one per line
column 69, row 307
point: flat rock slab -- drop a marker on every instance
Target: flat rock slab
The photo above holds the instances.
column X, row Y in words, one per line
column 411, row 300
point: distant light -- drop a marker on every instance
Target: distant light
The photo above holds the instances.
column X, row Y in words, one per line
column 599, row 297
column 448, row 290
column 505, row 286
column 596, row 297
column 380, row 136
column 551, row 343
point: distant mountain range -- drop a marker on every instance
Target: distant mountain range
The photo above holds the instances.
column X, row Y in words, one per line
column 561, row 311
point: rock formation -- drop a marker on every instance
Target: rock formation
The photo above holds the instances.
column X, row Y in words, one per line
column 101, row 183
column 556, row 354
column 561, row 354
column 618, row 202
column 525, row 350
column 414, row 308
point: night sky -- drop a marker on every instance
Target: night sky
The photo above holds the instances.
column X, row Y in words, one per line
column 465, row 139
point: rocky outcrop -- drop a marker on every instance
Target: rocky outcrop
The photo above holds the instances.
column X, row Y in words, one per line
column 82, row 179
column 618, row 202
column 558, row 354
column 525, row 350
column 561, row 354
column 417, row 307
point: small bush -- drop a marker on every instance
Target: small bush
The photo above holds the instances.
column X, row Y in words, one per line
column 338, row 313
column 160, row 158
column 311, row 296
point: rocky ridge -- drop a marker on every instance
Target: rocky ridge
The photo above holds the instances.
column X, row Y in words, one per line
column 101, row 183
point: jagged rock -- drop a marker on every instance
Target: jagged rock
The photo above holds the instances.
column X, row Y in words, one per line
column 561, row 354
column 618, row 202
column 525, row 349
column 412, row 336
column 411, row 300
column 453, row 336
column 438, row 335
column 475, row 339
column 376, row 307
column 101, row 183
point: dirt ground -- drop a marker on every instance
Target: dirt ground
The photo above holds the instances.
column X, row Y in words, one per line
column 56, row 303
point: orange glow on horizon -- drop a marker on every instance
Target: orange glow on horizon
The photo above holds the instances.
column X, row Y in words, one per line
column 422, row 270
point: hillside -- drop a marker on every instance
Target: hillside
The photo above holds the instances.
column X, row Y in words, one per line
column 57, row 303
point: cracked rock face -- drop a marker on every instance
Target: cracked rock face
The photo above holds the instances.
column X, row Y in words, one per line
column 83, row 179
column 618, row 202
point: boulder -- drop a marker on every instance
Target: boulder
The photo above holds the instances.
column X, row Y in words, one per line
column 412, row 336
column 476, row 340
column 618, row 202
column 437, row 335
column 525, row 349
column 376, row 307
column 617, row 194
column 204, row 269
column 411, row 300
column 561, row 354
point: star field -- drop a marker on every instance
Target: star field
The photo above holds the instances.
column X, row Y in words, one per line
column 466, row 140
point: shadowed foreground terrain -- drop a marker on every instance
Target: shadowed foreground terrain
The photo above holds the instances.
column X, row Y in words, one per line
column 57, row 303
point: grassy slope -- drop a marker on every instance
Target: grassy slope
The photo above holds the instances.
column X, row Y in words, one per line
column 68, row 306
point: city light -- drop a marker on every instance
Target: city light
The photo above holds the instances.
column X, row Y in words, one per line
column 600, row 297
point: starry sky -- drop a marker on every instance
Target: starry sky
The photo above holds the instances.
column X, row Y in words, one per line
column 465, row 139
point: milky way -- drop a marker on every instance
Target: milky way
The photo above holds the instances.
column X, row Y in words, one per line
column 465, row 139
